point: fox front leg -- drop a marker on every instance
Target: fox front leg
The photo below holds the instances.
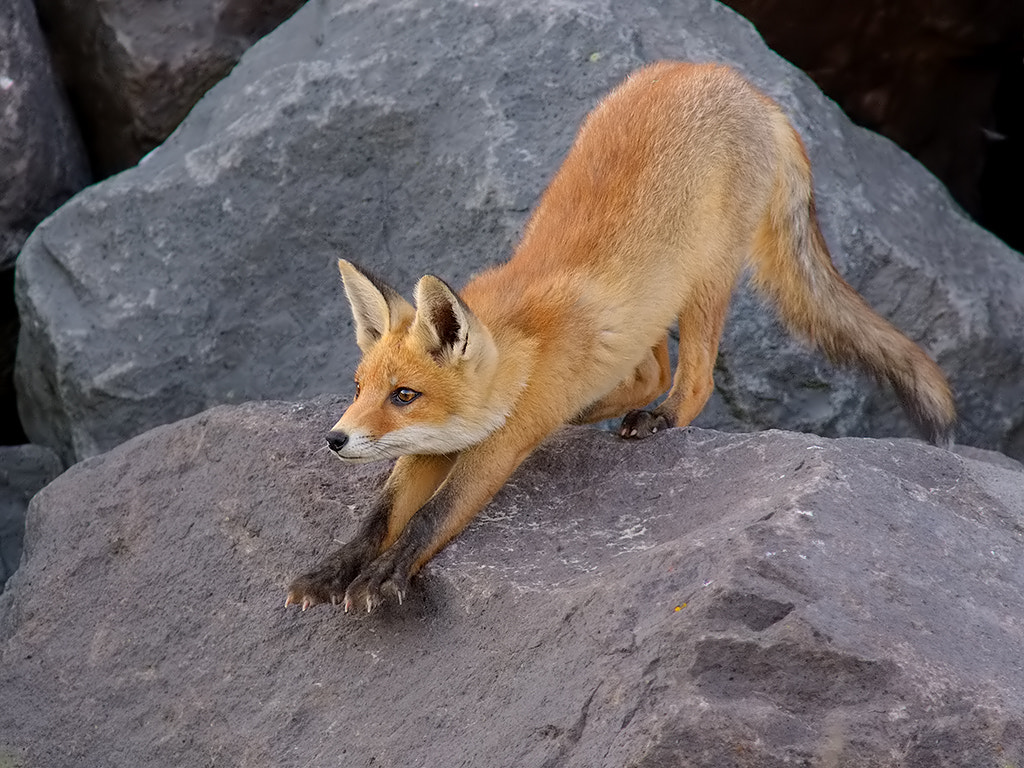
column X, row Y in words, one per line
column 413, row 480
column 476, row 476
column 327, row 582
column 388, row 576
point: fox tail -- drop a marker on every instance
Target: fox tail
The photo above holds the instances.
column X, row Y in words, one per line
column 794, row 270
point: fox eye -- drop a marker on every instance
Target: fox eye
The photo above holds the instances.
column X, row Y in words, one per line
column 357, row 391
column 404, row 396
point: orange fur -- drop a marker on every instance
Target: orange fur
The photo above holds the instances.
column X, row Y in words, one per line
column 678, row 179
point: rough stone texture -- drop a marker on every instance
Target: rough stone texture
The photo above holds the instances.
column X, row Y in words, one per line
column 42, row 162
column 697, row 599
column 415, row 138
column 134, row 68
column 24, row 469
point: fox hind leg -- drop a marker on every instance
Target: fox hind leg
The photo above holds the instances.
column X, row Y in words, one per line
column 649, row 380
column 700, row 329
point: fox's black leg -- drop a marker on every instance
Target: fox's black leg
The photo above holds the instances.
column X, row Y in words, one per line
column 477, row 475
column 388, row 576
column 413, row 480
column 327, row 581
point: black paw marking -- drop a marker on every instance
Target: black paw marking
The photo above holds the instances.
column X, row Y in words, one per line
column 328, row 581
column 637, row 425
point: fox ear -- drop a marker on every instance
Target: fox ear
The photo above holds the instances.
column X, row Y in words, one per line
column 376, row 307
column 447, row 327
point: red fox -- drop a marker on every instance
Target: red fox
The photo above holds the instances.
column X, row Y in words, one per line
column 677, row 180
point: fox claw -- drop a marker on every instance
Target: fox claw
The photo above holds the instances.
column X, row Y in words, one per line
column 326, row 583
column 383, row 578
column 637, row 425
column 306, row 594
column 370, row 586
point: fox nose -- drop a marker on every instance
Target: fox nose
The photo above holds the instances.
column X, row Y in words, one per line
column 336, row 440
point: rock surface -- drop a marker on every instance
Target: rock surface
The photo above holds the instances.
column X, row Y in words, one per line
column 42, row 161
column 415, row 138
column 697, row 599
column 24, row 470
column 136, row 67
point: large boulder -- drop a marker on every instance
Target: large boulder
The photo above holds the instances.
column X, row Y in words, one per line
column 699, row 599
column 134, row 68
column 42, row 161
column 415, row 138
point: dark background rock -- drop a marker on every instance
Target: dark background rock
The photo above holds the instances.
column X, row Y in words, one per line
column 42, row 163
column 206, row 274
column 698, row 599
column 11, row 432
column 941, row 79
column 24, row 469
column 134, row 68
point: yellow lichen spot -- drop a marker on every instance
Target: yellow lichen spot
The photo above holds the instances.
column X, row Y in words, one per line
column 595, row 57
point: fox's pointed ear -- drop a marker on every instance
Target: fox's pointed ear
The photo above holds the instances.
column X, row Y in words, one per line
column 446, row 326
column 376, row 307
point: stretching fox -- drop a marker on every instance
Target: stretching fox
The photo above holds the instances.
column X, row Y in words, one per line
column 677, row 180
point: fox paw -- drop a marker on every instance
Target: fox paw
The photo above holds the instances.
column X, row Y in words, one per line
column 314, row 588
column 386, row 577
column 327, row 582
column 637, row 425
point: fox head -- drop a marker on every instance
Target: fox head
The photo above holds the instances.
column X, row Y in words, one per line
column 422, row 385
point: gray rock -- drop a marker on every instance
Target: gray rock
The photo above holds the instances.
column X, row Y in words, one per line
column 699, row 598
column 136, row 67
column 42, row 161
column 24, row 470
column 415, row 138
column 992, row 457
